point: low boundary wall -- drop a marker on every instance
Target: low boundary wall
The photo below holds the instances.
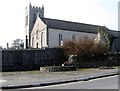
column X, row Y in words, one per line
column 30, row 59
column 33, row 59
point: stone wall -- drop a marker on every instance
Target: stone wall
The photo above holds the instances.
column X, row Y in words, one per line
column 33, row 59
column 57, row 68
column 30, row 59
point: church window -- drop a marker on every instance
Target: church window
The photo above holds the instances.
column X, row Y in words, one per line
column 37, row 45
column 41, row 39
column 37, row 34
column 32, row 41
column 73, row 37
column 85, row 36
column 34, row 18
column 60, row 39
column 26, row 20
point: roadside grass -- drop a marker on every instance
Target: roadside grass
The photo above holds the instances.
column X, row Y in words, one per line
column 79, row 70
column 84, row 69
column 38, row 72
column 20, row 72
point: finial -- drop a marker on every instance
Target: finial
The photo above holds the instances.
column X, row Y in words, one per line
column 104, row 25
column 30, row 4
column 43, row 7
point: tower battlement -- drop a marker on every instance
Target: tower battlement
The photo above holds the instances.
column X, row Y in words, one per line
column 36, row 7
column 30, row 18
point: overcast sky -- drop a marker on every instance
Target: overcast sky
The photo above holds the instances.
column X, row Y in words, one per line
column 97, row 12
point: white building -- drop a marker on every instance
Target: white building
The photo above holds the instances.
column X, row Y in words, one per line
column 45, row 32
column 52, row 32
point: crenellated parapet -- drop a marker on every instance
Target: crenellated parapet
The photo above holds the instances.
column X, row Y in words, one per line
column 36, row 7
column 30, row 18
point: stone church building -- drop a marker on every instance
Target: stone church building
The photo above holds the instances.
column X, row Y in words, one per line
column 44, row 32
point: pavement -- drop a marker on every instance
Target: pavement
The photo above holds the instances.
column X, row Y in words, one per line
column 25, row 79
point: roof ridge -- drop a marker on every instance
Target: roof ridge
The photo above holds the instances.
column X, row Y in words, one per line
column 72, row 22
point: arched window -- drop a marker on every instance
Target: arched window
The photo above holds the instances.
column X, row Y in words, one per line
column 41, row 39
column 37, row 45
column 34, row 18
column 37, row 34
column 60, row 39
column 32, row 41
column 26, row 20
column 73, row 37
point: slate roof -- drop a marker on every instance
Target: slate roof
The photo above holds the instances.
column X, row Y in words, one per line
column 114, row 33
column 71, row 26
column 75, row 26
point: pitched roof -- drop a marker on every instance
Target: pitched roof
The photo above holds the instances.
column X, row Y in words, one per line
column 114, row 33
column 71, row 26
column 75, row 26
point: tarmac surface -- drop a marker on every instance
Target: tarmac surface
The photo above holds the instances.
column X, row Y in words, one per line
column 12, row 80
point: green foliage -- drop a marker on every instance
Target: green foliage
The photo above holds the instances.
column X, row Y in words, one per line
column 103, row 37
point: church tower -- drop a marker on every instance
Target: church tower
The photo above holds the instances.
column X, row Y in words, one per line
column 30, row 18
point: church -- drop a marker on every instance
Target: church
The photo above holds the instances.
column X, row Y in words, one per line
column 41, row 32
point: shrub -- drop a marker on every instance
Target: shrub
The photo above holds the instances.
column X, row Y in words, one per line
column 83, row 46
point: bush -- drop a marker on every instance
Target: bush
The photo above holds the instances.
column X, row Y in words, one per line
column 83, row 46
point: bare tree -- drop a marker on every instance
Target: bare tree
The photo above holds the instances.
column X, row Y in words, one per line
column 83, row 46
column 17, row 44
column 1, row 47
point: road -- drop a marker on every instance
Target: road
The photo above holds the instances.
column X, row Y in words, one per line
column 100, row 83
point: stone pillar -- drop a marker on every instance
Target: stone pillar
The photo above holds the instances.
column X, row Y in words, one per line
column 26, row 42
